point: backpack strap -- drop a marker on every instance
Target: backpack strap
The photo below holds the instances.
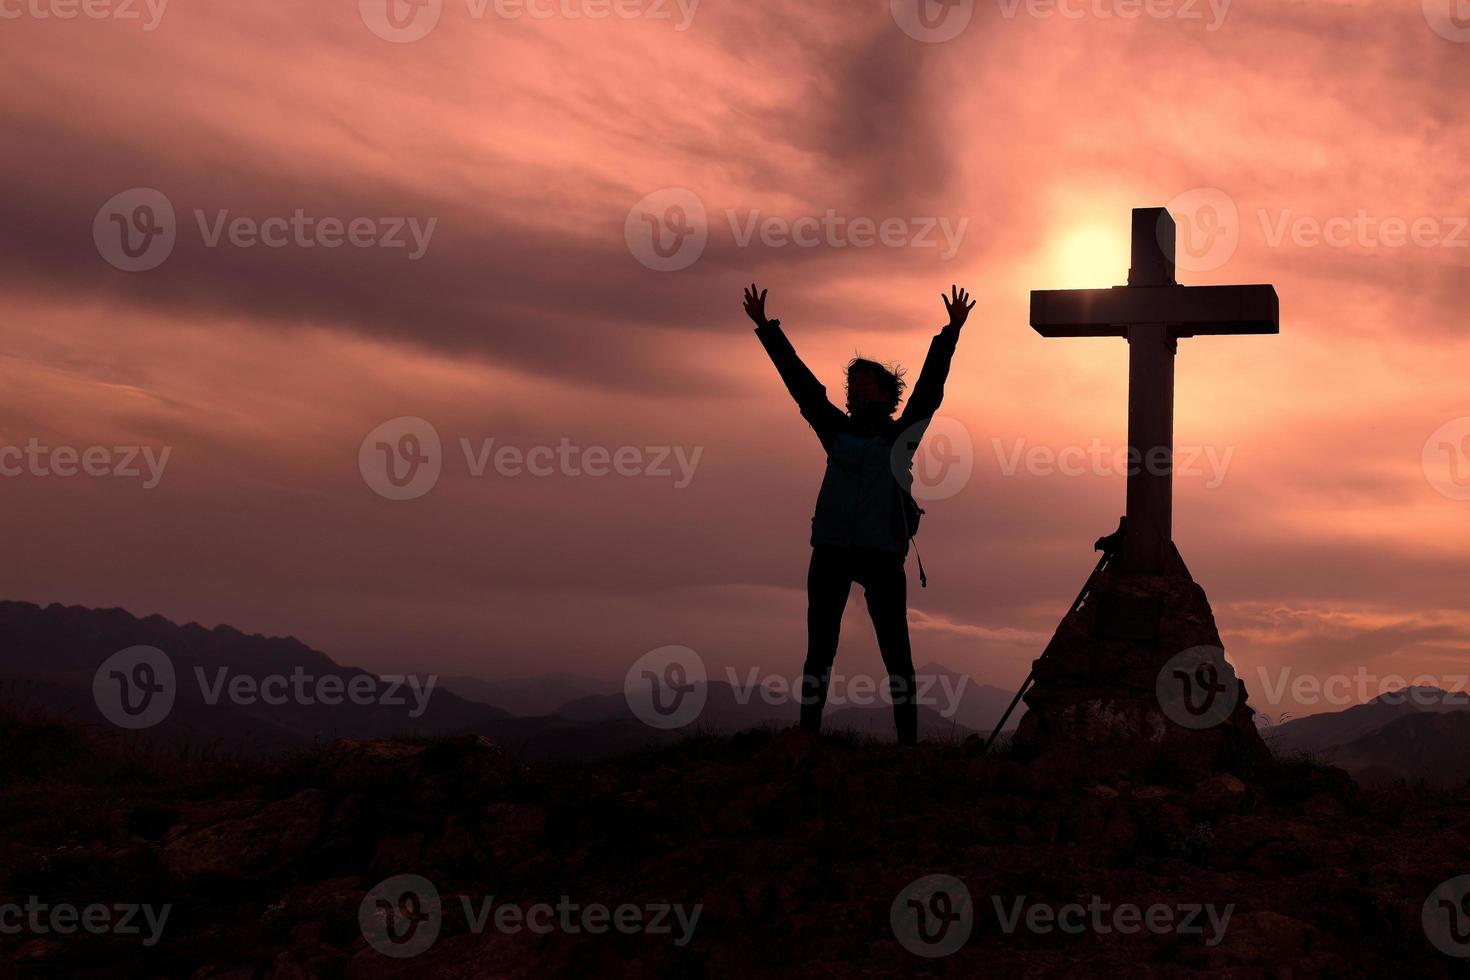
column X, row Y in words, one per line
column 918, row 513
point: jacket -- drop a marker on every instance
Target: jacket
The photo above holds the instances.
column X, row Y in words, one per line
column 869, row 462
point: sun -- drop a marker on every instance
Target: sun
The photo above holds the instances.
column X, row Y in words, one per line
column 1088, row 256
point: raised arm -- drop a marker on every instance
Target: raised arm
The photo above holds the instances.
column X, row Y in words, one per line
column 809, row 393
column 929, row 389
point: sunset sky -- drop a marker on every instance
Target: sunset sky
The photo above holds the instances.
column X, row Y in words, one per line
column 1319, row 146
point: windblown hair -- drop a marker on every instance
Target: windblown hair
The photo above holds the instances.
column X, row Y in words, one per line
column 890, row 381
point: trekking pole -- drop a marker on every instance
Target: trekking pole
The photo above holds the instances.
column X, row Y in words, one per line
column 1109, row 547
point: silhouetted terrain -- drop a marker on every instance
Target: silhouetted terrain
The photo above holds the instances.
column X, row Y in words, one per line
column 980, row 706
column 528, row 697
column 729, row 709
column 783, row 843
column 793, row 849
column 1417, row 734
column 49, row 656
column 1434, row 747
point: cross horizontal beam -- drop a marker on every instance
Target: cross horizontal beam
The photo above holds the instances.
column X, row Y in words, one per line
column 1192, row 311
column 1152, row 312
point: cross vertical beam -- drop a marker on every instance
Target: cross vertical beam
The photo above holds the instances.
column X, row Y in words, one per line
column 1152, row 312
column 1150, row 527
column 1151, row 350
column 1153, row 248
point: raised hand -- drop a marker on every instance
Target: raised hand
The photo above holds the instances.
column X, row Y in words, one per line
column 755, row 305
column 958, row 305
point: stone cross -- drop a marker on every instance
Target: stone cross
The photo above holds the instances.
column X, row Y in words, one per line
column 1152, row 312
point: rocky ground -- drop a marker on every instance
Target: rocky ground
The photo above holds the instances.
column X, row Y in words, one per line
column 794, row 850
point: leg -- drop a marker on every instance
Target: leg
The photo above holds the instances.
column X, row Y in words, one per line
column 828, row 581
column 886, row 588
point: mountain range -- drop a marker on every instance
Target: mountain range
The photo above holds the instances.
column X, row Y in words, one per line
column 50, row 658
column 1415, row 734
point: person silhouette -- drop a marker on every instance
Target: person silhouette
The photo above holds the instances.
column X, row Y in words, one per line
column 865, row 513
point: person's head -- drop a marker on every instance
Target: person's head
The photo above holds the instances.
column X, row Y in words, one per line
column 873, row 388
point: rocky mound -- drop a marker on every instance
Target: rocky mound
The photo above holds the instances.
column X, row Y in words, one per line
column 769, row 854
column 1136, row 676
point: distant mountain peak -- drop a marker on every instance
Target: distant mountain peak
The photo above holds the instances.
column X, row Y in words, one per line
column 1424, row 697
